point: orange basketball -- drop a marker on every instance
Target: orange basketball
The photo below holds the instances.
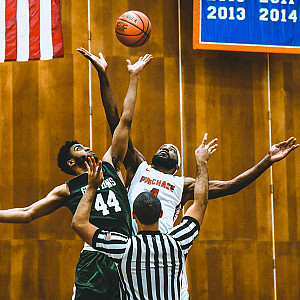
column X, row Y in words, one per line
column 133, row 29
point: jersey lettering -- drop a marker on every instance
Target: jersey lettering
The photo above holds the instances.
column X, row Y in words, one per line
column 156, row 182
column 108, row 183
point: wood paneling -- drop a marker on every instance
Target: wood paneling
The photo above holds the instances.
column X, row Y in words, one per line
column 285, row 122
column 224, row 93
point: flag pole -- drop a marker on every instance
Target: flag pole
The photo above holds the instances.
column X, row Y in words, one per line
column 271, row 180
column 180, row 87
column 90, row 77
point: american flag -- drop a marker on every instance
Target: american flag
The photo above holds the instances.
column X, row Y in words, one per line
column 30, row 30
column 107, row 236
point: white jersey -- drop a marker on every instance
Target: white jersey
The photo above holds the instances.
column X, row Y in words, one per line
column 168, row 188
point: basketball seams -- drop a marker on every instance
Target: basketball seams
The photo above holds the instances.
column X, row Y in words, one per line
column 130, row 45
column 141, row 20
column 124, row 34
column 142, row 30
column 135, row 29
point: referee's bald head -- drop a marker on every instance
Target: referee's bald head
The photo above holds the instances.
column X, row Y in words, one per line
column 147, row 208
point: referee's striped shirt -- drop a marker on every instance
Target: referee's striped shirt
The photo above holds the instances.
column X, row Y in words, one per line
column 149, row 264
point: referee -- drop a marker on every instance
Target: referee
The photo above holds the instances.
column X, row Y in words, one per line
column 150, row 264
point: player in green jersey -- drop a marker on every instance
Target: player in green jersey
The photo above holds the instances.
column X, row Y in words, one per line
column 96, row 276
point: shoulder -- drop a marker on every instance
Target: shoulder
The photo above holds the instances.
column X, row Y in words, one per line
column 61, row 191
column 185, row 233
column 110, row 173
column 77, row 182
column 144, row 165
column 77, row 178
column 187, row 227
column 108, row 167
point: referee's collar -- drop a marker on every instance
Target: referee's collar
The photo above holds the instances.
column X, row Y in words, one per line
column 155, row 232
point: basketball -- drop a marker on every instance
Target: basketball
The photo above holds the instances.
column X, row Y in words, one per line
column 133, row 29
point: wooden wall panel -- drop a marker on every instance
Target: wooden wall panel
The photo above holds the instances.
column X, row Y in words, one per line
column 230, row 270
column 6, row 266
column 56, row 109
column 285, row 122
column 225, row 94
column 80, row 72
column 261, row 145
column 6, row 142
column 288, row 270
column 171, row 103
column 24, row 270
column 25, row 135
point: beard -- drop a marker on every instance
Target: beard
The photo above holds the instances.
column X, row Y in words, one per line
column 80, row 161
column 163, row 162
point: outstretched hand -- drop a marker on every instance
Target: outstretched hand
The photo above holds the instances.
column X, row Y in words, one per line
column 205, row 150
column 99, row 63
column 282, row 149
column 137, row 67
column 95, row 174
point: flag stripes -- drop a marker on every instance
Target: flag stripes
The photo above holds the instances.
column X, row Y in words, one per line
column 34, row 31
column 56, row 29
column 11, row 30
column 2, row 29
column 30, row 30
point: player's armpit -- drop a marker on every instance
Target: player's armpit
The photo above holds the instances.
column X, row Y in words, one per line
column 188, row 190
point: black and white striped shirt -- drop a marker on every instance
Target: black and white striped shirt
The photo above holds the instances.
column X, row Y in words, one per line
column 150, row 264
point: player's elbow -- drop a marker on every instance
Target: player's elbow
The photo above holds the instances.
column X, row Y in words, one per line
column 126, row 118
column 227, row 188
column 76, row 225
column 233, row 188
column 28, row 215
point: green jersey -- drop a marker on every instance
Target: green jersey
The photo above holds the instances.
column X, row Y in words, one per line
column 110, row 211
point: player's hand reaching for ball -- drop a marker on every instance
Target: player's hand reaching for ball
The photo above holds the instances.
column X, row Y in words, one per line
column 99, row 63
column 205, row 150
column 137, row 67
column 95, row 174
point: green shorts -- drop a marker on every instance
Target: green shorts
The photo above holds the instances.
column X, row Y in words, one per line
column 96, row 277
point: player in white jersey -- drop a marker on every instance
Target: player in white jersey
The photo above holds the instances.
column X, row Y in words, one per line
column 167, row 187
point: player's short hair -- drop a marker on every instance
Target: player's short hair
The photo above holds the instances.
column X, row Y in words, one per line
column 147, row 208
column 64, row 155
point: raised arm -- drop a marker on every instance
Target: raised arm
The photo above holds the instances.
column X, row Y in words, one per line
column 120, row 139
column 133, row 158
column 202, row 154
column 219, row 188
column 108, row 100
column 43, row 207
